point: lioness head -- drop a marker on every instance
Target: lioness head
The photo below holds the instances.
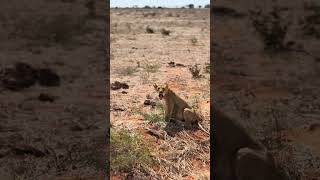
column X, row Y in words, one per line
column 161, row 89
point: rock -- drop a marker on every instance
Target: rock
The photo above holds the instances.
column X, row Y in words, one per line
column 46, row 97
column 46, row 77
column 180, row 65
column 118, row 85
column 20, row 77
column 171, row 64
column 149, row 102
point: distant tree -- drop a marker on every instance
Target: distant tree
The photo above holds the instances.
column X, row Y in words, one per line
column 199, row 6
column 191, row 6
column 159, row 7
column 182, row 7
column 207, row 6
column 147, row 7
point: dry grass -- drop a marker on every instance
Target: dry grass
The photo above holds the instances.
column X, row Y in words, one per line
column 128, row 151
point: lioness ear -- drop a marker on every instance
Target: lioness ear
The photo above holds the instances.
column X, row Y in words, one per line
column 155, row 86
column 167, row 86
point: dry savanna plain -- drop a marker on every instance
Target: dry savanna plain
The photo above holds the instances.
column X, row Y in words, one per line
column 157, row 46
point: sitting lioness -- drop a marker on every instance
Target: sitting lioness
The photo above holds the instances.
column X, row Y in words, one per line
column 176, row 109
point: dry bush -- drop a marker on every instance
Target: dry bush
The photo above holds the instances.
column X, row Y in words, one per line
column 311, row 21
column 272, row 28
column 127, row 71
column 128, row 151
column 194, row 41
column 195, row 71
column 152, row 68
column 155, row 116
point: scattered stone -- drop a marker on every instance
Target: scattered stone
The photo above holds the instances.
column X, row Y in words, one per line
column 180, row 65
column 172, row 64
column 20, row 77
column 149, row 102
column 47, row 77
column 117, row 108
column 118, row 85
column 124, row 92
column 46, row 97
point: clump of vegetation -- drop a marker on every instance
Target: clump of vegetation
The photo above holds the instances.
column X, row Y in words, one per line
column 152, row 117
column 156, row 115
column 127, row 71
column 195, row 71
column 152, row 68
column 149, row 30
column 272, row 28
column 152, row 14
column 169, row 14
column 128, row 151
column 165, row 32
column 311, row 22
column 194, row 41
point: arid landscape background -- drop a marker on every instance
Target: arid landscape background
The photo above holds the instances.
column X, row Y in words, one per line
column 156, row 46
column 266, row 71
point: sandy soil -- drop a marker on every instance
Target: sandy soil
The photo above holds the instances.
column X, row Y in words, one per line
column 187, row 44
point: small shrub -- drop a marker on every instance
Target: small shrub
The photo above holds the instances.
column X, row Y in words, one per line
column 311, row 22
column 194, row 41
column 272, row 28
column 195, row 71
column 170, row 15
column 152, row 68
column 155, row 116
column 149, row 30
column 165, row 32
column 128, row 151
column 127, row 71
column 152, row 117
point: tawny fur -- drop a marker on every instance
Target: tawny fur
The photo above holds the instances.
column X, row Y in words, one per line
column 176, row 109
